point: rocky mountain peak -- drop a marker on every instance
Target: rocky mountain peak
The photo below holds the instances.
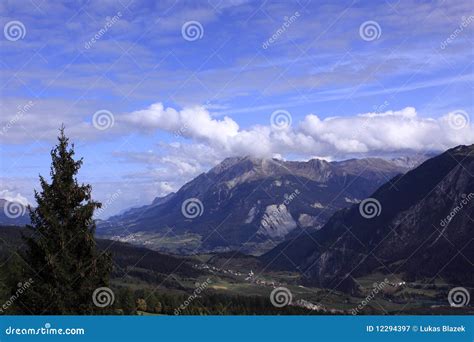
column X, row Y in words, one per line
column 254, row 200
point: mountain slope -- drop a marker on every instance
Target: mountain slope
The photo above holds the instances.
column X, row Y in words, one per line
column 250, row 204
column 424, row 230
column 127, row 258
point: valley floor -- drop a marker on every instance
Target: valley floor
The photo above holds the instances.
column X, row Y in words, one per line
column 147, row 282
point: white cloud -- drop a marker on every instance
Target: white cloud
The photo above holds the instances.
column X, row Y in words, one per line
column 209, row 140
column 366, row 133
column 13, row 197
column 386, row 132
column 200, row 140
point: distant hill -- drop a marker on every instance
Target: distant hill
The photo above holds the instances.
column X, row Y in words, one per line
column 13, row 213
column 422, row 228
column 250, row 204
column 128, row 259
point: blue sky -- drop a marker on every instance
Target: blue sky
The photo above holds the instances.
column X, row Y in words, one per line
column 355, row 78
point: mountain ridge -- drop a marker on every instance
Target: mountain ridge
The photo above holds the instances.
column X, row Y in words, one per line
column 407, row 234
column 251, row 202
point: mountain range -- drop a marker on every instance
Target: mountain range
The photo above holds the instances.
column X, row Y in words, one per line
column 418, row 225
column 251, row 204
column 332, row 222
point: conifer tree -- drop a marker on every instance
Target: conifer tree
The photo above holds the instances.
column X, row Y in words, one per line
column 61, row 255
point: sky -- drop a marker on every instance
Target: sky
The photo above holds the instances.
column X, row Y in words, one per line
column 153, row 93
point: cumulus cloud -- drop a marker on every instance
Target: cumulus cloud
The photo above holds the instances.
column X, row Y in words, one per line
column 13, row 197
column 198, row 140
column 171, row 165
column 208, row 140
column 366, row 133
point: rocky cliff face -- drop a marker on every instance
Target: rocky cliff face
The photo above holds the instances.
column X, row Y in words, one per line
column 419, row 224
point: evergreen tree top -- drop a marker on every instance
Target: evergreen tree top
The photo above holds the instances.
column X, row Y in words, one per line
column 62, row 256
